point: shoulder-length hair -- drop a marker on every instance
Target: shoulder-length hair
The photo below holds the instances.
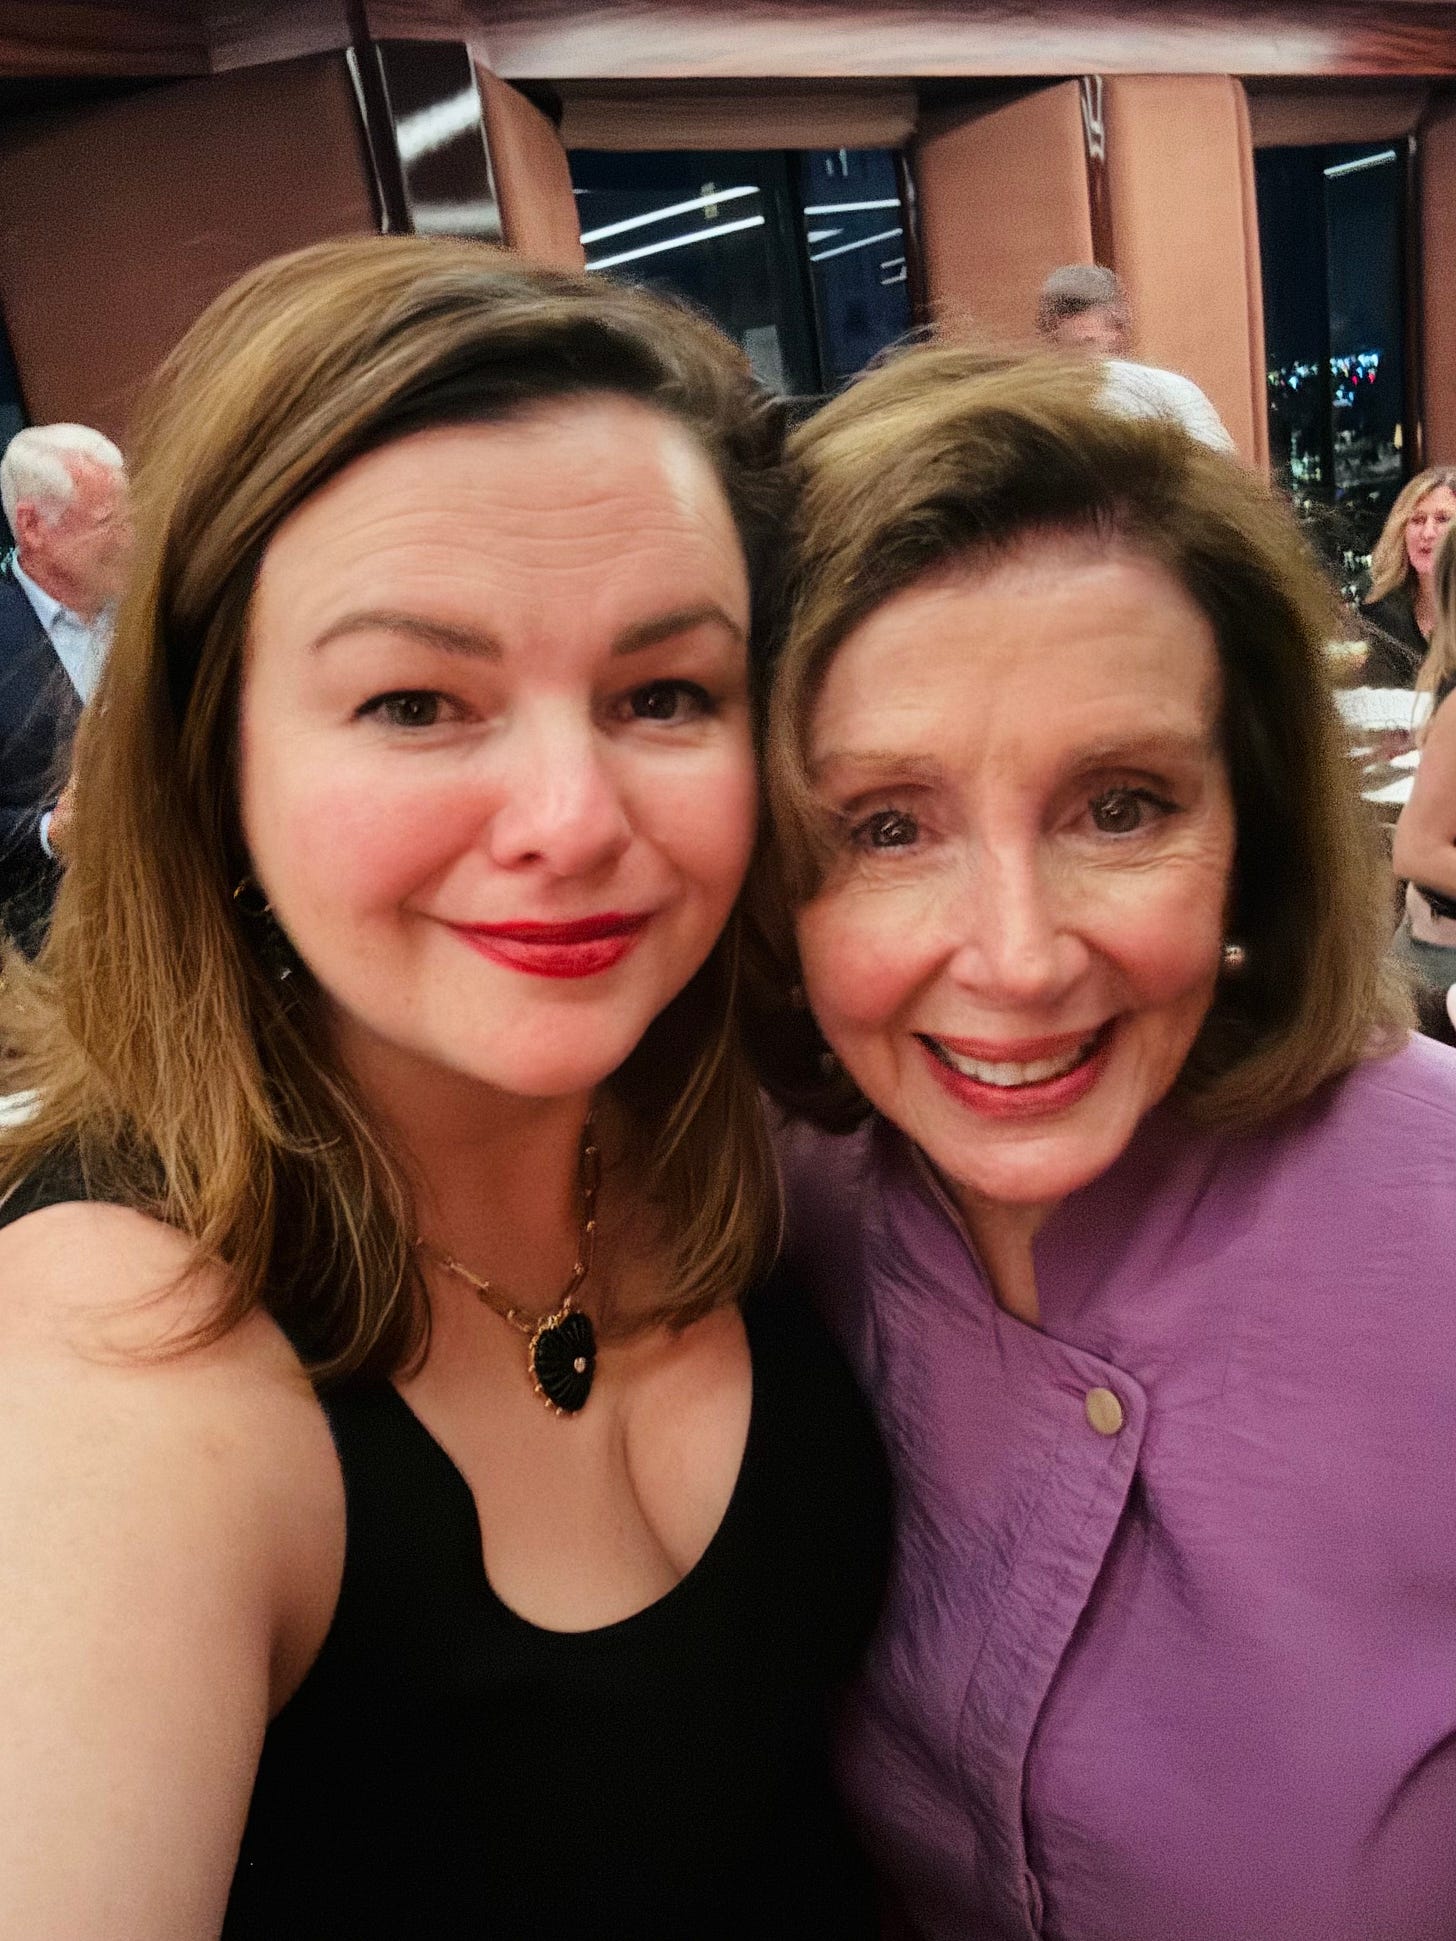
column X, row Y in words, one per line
column 1439, row 666
column 948, row 456
column 1390, row 565
column 166, row 1059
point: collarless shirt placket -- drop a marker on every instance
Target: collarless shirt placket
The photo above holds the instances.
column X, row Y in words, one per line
column 1054, row 1434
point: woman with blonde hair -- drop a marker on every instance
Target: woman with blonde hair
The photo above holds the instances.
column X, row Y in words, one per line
column 1399, row 610
column 1122, row 1179
column 1437, row 674
column 1424, row 848
column 411, row 1529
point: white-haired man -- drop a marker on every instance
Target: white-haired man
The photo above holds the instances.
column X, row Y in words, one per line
column 1084, row 307
column 64, row 492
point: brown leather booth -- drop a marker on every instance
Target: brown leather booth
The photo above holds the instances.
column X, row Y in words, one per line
column 1149, row 174
column 119, row 222
column 1436, row 161
column 1185, row 237
column 532, row 177
column 1003, row 200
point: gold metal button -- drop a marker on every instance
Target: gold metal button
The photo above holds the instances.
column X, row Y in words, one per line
column 1104, row 1411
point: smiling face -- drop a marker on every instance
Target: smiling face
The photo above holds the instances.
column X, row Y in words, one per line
column 496, row 769
column 1426, row 528
column 1020, row 934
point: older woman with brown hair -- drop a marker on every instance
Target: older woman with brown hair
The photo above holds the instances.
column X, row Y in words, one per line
column 1129, row 1193
column 422, row 1517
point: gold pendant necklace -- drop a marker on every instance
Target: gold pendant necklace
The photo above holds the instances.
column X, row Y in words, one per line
column 561, row 1355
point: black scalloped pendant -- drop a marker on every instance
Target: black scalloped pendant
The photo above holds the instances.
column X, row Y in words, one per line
column 563, row 1359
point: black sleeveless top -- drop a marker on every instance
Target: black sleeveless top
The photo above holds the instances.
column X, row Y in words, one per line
column 447, row 1769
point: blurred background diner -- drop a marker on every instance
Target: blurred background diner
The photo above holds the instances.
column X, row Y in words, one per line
column 64, row 493
column 1083, row 307
column 1399, row 611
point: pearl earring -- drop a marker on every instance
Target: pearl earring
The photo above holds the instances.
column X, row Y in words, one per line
column 1234, row 957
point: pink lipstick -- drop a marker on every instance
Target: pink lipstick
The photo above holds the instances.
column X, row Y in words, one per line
column 1025, row 1078
column 584, row 948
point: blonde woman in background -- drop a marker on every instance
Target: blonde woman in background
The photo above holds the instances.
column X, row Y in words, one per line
column 1399, row 611
column 1424, row 850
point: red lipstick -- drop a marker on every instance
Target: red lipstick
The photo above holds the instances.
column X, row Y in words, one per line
column 583, row 948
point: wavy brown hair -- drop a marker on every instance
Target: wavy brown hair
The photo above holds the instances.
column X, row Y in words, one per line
column 168, row 1063
column 950, row 455
column 1439, row 666
column 1390, row 565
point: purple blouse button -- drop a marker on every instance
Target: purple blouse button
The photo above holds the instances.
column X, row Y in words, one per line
column 1104, row 1411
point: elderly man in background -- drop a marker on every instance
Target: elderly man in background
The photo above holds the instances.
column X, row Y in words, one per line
column 64, row 492
column 1084, row 307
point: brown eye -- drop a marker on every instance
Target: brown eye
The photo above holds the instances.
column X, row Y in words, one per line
column 669, row 701
column 408, row 708
column 1122, row 812
column 886, row 829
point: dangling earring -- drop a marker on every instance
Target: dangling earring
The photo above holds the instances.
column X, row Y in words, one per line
column 1234, row 958
column 273, row 949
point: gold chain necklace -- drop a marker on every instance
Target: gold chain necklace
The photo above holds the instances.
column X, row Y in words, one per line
column 561, row 1355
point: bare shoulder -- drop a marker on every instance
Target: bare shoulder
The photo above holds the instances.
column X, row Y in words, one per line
column 105, row 1388
column 87, row 1274
column 174, row 1538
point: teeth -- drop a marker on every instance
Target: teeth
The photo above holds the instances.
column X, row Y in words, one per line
column 1006, row 1074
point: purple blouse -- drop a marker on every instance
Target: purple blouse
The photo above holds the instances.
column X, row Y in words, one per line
column 1170, row 1648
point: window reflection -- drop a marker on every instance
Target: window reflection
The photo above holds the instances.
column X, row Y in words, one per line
column 800, row 255
column 854, row 226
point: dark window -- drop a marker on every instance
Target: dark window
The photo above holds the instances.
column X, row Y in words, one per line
column 799, row 255
column 854, row 227
column 12, row 414
column 1331, row 230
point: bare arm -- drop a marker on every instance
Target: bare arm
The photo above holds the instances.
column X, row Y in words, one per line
column 156, row 1516
column 1424, row 849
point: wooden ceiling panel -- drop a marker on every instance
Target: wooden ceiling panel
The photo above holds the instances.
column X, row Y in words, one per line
column 157, row 37
column 586, row 40
column 572, row 40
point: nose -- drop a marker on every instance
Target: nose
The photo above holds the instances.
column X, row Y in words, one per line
column 562, row 807
column 1017, row 945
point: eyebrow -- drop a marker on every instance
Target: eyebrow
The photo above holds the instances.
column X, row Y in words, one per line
column 872, row 763
column 431, row 633
column 1133, row 751
column 685, row 620
column 480, row 644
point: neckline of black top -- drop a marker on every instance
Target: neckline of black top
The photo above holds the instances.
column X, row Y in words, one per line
column 691, row 1584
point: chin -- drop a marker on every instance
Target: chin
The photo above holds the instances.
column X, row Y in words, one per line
column 535, row 1068
column 555, row 1078
column 1022, row 1175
